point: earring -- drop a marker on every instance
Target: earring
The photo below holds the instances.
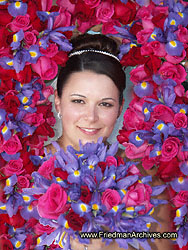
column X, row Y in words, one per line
column 59, row 115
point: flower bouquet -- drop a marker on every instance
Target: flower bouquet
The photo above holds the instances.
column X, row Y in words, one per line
column 89, row 191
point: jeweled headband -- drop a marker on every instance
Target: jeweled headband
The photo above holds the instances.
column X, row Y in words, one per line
column 79, row 52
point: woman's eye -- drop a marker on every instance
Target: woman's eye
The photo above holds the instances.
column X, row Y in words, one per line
column 106, row 104
column 77, row 101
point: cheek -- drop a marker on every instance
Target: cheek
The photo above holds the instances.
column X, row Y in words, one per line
column 70, row 115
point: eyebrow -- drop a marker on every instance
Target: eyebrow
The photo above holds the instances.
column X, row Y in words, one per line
column 103, row 99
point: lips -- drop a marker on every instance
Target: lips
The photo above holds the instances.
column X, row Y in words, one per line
column 89, row 131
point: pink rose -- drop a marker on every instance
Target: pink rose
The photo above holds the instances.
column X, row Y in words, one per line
column 66, row 4
column 39, row 229
column 182, row 34
column 63, row 19
column 23, row 181
column 110, row 160
column 181, row 199
column 133, row 170
column 179, row 90
column 180, row 120
column 110, row 198
column 108, row 28
column 12, row 146
column 47, row 168
column 34, row 119
column 14, row 167
column 92, row 3
column 143, row 35
column 20, row 22
column 148, row 162
column 156, row 48
column 30, row 37
column 175, row 72
column 104, row 11
column 50, row 51
column 46, row 68
column 133, row 152
column 162, row 112
column 145, row 14
column 51, row 204
column 175, row 59
column 170, row 148
column 138, row 195
column 138, row 74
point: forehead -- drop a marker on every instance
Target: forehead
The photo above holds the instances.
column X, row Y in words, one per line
column 88, row 82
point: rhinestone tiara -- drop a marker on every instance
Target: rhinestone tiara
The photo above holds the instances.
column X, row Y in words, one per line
column 79, row 52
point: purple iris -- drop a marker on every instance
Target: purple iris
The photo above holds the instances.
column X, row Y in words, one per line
column 180, row 213
column 44, row 15
column 2, row 116
column 34, row 53
column 6, row 62
column 179, row 184
column 17, row 38
column 173, row 46
column 143, row 89
column 17, row 8
column 20, row 59
column 157, row 35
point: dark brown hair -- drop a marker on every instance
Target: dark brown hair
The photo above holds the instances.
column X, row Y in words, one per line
column 95, row 62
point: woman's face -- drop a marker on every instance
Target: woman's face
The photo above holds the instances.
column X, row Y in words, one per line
column 89, row 106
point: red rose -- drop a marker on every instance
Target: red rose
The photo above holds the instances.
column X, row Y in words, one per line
column 125, row 13
column 75, row 221
column 133, row 57
column 92, row 3
column 60, row 58
column 17, row 221
column 159, row 20
column 28, row 165
column 168, row 170
column 24, row 76
column 136, row 28
column 85, row 194
column 83, row 12
column 12, row 104
column 7, row 18
column 58, row 172
column 45, row 130
column 39, row 229
column 124, row 135
column 102, row 165
column 152, row 65
column 50, row 51
column 5, row 244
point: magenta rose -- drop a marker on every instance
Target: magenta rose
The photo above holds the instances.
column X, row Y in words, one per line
column 138, row 74
column 175, row 72
column 181, row 199
column 162, row 112
column 14, row 167
column 104, row 11
column 39, row 229
column 110, row 160
column 170, row 148
column 63, row 19
column 143, row 36
column 51, row 204
column 139, row 195
column 30, row 37
column 12, row 146
column 134, row 152
column 182, row 34
column 20, row 22
column 180, row 120
column 175, row 59
column 156, row 48
column 34, row 119
column 92, row 3
column 108, row 28
column 50, row 51
column 110, row 198
column 47, row 168
column 46, row 68
column 23, row 181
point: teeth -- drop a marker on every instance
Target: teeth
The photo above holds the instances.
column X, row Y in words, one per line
column 88, row 130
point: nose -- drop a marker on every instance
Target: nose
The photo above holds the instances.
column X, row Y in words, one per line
column 91, row 113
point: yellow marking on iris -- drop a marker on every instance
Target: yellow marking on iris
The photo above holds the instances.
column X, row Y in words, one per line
column 18, row 244
column 130, row 209
column 38, row 240
column 144, row 85
column 91, row 167
column 33, row 53
column 139, row 181
column 26, row 198
column 14, row 229
column 40, row 156
column 158, row 153
column 160, row 126
column 61, row 240
column 173, row 43
column 148, row 225
column 4, row 130
column 58, row 179
column 83, row 207
column 47, row 12
column 173, row 22
column 180, row 14
column 17, row 4
column 40, row 43
column 79, row 155
column 123, row 191
column 132, row 45
column 151, row 212
column 30, row 208
column 68, row 198
column 66, row 225
column 3, row 207
column 1, row 1
column 26, row 107
column 115, row 208
column 153, row 36
column 76, row 173
column 146, row 111
column 182, row 111
column 15, row 38
column 138, row 138
column 25, row 100
column 180, row 180
column 178, row 213
column 8, row 182
column 114, row 177
column 10, row 63
column 95, row 207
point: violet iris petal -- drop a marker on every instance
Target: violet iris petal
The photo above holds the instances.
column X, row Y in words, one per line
column 17, row 38
column 34, row 53
column 3, row 2
column 8, row 157
column 146, row 110
column 182, row 13
column 180, row 213
column 29, row 211
column 143, row 89
column 182, row 235
column 157, row 35
column 161, row 127
column 17, row 9
column 44, row 15
column 20, row 60
column 179, row 184
column 143, row 2
column 124, row 33
column 113, row 149
column 156, row 150
column 2, row 116
column 10, row 182
column 184, row 167
column 80, row 208
column 158, row 189
column 107, row 183
column 169, row 95
column 127, row 181
column 6, row 62
column 174, row 48
column 13, row 203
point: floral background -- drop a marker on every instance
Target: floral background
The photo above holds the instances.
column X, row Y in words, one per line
column 34, row 44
